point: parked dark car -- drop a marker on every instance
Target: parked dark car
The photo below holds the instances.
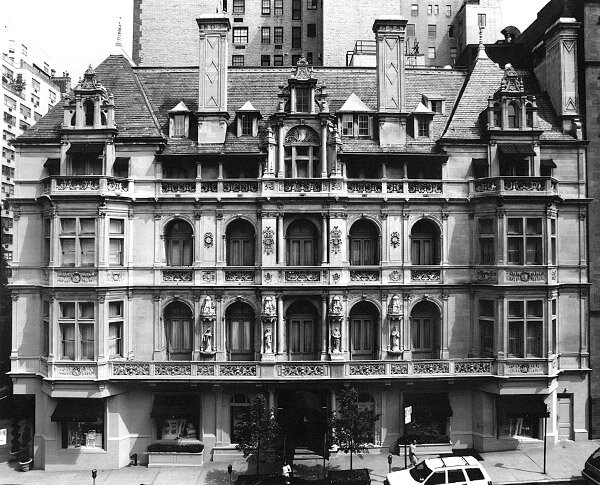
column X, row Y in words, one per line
column 591, row 471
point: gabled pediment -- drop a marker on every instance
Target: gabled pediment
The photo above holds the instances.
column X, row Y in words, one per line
column 354, row 105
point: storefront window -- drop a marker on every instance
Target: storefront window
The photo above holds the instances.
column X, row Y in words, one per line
column 520, row 416
column 83, row 434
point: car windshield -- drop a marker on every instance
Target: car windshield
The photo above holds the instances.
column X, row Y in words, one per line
column 420, row 472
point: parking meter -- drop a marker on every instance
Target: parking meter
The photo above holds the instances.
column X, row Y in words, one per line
column 389, row 463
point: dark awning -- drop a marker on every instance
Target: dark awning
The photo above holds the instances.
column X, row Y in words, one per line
column 547, row 162
column 91, row 148
column 522, row 405
column 72, row 409
column 516, row 149
column 175, row 405
column 432, row 404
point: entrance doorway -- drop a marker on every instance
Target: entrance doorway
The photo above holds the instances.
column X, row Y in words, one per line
column 564, row 417
column 304, row 419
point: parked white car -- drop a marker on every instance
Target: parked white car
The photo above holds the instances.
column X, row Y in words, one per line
column 459, row 470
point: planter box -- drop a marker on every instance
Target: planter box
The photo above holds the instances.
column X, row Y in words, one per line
column 159, row 459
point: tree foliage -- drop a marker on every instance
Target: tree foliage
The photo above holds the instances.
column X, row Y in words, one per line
column 258, row 430
column 351, row 428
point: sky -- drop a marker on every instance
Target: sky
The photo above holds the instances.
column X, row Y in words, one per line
column 77, row 33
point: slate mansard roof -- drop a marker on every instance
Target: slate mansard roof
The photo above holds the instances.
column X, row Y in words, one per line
column 144, row 96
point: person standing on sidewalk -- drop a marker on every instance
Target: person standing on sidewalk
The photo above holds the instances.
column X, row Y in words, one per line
column 412, row 452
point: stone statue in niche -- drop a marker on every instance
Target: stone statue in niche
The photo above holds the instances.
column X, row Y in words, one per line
column 268, row 341
column 269, row 307
column 208, row 307
column 336, row 306
column 207, row 340
column 395, row 305
column 395, row 339
column 336, row 340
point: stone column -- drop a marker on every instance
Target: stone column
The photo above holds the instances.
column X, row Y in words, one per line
column 445, row 353
column 280, row 325
column 501, row 341
column 324, row 329
column 280, row 241
column 280, row 151
column 158, row 240
column 323, row 148
column 324, row 234
column 102, row 237
column 53, row 328
column 159, row 336
column 102, row 327
column 500, row 245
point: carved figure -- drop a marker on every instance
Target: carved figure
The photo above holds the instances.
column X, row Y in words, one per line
column 395, row 339
column 336, row 337
column 208, row 307
column 336, row 306
column 268, row 341
column 395, row 305
column 207, row 340
column 269, row 307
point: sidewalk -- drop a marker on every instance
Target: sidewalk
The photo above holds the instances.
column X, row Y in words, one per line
column 564, row 463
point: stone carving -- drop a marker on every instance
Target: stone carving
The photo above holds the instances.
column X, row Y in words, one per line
column 337, row 308
column 394, row 307
column 425, row 275
column 239, row 276
column 178, row 187
column 303, row 70
column 269, row 309
column 424, row 187
column 209, row 240
column 395, row 239
column 336, row 240
column 237, row 370
column 126, row 369
column 525, row 276
column 177, row 275
column 207, row 340
column 268, row 240
column 268, row 341
column 76, row 276
column 208, row 276
column 553, row 275
column 364, row 275
column 486, row 275
column 395, row 276
column 511, row 82
column 302, row 134
column 477, row 367
column 269, row 185
column 208, row 309
column 117, row 185
column 77, row 184
column 115, row 276
column 302, row 186
column 364, row 186
column 302, row 276
column 208, row 187
column 395, row 339
column 431, row 368
column 268, row 277
column 302, row 370
column 336, row 186
column 240, row 187
column 395, row 187
column 75, row 370
column 526, row 368
column 399, row 368
column 336, row 277
column 172, row 369
column 205, row 370
column 336, row 340
column 366, row 369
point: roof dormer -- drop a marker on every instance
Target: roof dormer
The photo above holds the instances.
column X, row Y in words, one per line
column 179, row 121
column 302, row 88
column 355, row 118
column 91, row 106
column 247, row 120
column 422, row 121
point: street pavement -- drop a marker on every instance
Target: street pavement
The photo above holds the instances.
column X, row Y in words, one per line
column 564, row 463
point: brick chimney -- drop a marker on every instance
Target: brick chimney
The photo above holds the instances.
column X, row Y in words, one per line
column 212, row 95
column 390, row 35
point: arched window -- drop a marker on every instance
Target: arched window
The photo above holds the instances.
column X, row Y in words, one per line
column 240, row 332
column 363, row 320
column 240, row 243
column 497, row 115
column 88, row 109
column 514, row 115
column 529, row 115
column 178, row 326
column 424, row 322
column 425, row 241
column 301, row 319
column 239, row 405
column 364, row 243
column 179, row 243
column 302, row 148
column 302, row 244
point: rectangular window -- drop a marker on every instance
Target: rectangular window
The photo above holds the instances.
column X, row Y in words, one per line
column 448, row 10
column 311, row 4
column 115, row 329
column 525, row 328
column 453, row 54
column 296, row 37
column 309, row 57
column 436, row 9
column 278, row 7
column 116, row 243
column 78, row 241
column 311, row 30
column 423, row 126
column 265, row 60
column 437, row 106
column 481, row 19
column 431, row 52
column 76, row 325
column 302, row 100
column 81, row 435
column 410, row 30
column 10, row 119
column 487, row 247
column 486, row 327
column 296, row 9
column 46, row 248
column 347, row 125
column 240, row 35
column 278, row 60
column 25, row 111
column 246, row 119
column 237, row 60
column 45, row 328
column 239, row 7
column 432, row 31
column 414, row 9
column 363, row 125
column 451, row 31
column 554, row 328
column 553, row 241
column 266, row 7
column 524, row 244
column 429, row 9
column 278, row 35
column 265, row 35
column 10, row 102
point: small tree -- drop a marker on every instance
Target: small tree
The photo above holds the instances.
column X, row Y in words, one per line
column 257, row 430
column 351, row 428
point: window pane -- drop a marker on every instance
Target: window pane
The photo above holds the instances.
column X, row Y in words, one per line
column 515, row 338
column 87, row 252
column 515, row 250
column 86, row 310
column 515, row 309
column 247, row 343
column 67, row 226
column 115, row 309
column 115, row 256
column 114, row 339
column 534, row 250
column 67, row 310
column 486, row 308
column 67, row 335
column 67, row 247
column 87, row 226
column 535, row 309
column 534, row 339
column 515, row 226
column 86, row 332
column 456, row 476
column 116, row 226
column 534, row 226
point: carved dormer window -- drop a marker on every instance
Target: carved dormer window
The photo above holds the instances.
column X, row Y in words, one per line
column 247, row 120
column 513, row 112
column 422, row 121
column 91, row 106
column 355, row 118
column 302, row 145
column 179, row 121
column 302, row 88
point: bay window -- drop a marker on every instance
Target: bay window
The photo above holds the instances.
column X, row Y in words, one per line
column 76, row 325
column 115, row 329
column 486, row 327
column 525, row 328
column 78, row 241
column 487, row 248
column 116, row 242
column 524, row 240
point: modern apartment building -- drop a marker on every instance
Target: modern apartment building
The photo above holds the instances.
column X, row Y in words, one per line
column 191, row 236
column 327, row 32
column 29, row 91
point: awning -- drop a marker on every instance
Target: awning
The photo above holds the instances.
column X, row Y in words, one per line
column 522, row 405
column 547, row 162
column 175, row 405
column 431, row 404
column 480, row 163
column 53, row 166
column 81, row 410
column 91, row 148
column 516, row 149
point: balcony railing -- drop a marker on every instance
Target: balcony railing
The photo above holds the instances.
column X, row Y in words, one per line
column 88, row 184
column 507, row 186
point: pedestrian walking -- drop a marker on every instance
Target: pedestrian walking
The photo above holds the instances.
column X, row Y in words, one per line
column 286, row 471
column 412, row 452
